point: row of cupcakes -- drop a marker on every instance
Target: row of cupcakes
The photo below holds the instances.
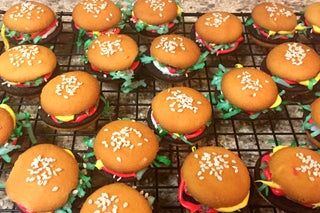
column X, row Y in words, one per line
column 212, row 179
column 270, row 24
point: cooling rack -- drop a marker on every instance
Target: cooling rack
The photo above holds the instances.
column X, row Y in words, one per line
column 247, row 138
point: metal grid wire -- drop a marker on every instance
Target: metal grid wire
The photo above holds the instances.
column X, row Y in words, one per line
column 248, row 138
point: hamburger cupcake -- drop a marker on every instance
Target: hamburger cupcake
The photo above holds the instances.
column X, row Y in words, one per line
column 272, row 24
column 116, row 197
column 245, row 92
column 71, row 101
column 25, row 69
column 295, row 67
column 180, row 115
column 311, row 20
column 46, row 178
column 289, row 178
column 155, row 17
column 101, row 17
column 112, row 57
column 11, row 129
column 311, row 123
column 173, row 58
column 123, row 149
column 214, row 179
column 218, row 32
column 30, row 22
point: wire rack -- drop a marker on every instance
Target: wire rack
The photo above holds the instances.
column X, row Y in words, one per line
column 247, row 138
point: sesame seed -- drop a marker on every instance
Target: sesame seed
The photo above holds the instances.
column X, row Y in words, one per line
column 179, row 101
column 214, row 164
column 94, row 7
column 41, row 170
column 277, row 10
column 125, row 205
column 68, row 86
column 25, row 9
column 20, row 54
column 216, row 20
column 119, row 159
column 55, row 188
column 296, row 53
column 309, row 166
column 109, row 48
column 171, row 45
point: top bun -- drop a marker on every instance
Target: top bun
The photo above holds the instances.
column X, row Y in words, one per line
column 28, row 17
column 315, row 111
column 175, row 50
column 96, row 15
column 42, row 178
column 6, row 126
column 219, row 27
column 216, row 177
column 26, row 63
column 312, row 14
column 113, row 52
column 155, row 12
column 181, row 110
column 70, row 93
column 293, row 61
column 249, row 89
column 296, row 170
column 274, row 16
column 126, row 146
column 117, row 196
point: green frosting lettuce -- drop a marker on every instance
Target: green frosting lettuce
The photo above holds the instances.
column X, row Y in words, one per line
column 84, row 183
column 163, row 132
column 228, row 109
column 312, row 127
column 129, row 83
column 22, row 121
column 278, row 80
column 200, row 64
column 26, row 37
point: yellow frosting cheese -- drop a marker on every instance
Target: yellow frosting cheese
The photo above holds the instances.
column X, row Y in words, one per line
column 99, row 164
column 236, row 207
column 316, row 28
column 277, row 102
column 65, row 118
column 306, row 83
column 69, row 152
column 270, row 184
column 10, row 111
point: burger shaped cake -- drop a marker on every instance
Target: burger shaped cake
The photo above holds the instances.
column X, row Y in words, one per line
column 173, row 58
column 295, row 67
column 112, row 57
column 30, row 22
column 272, row 24
column 312, row 122
column 46, row 178
column 289, row 178
column 123, row 149
column 311, row 20
column 155, row 17
column 71, row 101
column 218, row 32
column 25, row 69
column 245, row 92
column 11, row 129
column 116, row 197
column 92, row 18
column 214, row 179
column 180, row 115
